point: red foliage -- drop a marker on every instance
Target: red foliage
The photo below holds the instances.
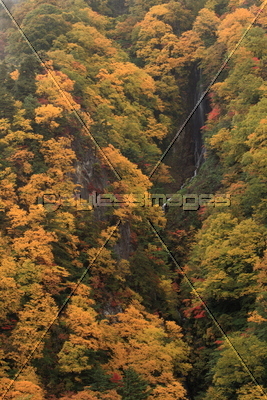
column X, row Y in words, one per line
column 42, row 100
column 197, row 279
column 256, row 63
column 211, row 95
column 214, row 114
column 179, row 233
column 160, row 262
column 92, row 188
column 231, row 113
column 195, row 312
column 114, row 303
column 202, row 314
column 201, row 211
column 175, row 287
column 96, row 282
column 133, row 238
column 66, row 130
column 63, row 336
column 77, row 99
column 116, row 378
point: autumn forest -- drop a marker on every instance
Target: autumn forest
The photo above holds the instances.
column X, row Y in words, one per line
column 162, row 298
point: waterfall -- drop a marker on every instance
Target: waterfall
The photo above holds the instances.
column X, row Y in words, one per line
column 198, row 120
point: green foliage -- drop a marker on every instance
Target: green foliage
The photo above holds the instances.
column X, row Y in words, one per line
column 7, row 106
column 25, row 84
column 229, row 373
column 133, row 387
column 124, row 68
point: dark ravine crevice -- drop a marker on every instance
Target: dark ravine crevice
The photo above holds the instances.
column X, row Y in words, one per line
column 197, row 122
column 198, row 118
column 123, row 248
column 187, row 153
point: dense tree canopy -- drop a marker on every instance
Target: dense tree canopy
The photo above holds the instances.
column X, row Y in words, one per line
column 93, row 305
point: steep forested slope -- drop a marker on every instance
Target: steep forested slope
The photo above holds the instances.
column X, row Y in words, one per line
column 93, row 305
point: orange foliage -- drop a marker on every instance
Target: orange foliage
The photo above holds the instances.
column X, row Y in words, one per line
column 56, row 87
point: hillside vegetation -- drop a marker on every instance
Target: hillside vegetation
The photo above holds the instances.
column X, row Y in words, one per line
column 131, row 302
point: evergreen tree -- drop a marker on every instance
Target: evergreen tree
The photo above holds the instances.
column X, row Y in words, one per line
column 133, row 387
column 7, row 104
column 25, row 84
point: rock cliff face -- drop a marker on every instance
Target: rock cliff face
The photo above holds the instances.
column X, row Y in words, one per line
column 198, row 119
column 123, row 248
column 91, row 176
column 187, row 153
column 184, row 158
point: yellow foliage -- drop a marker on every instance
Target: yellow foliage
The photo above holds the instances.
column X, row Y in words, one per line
column 4, row 126
column 251, row 392
column 35, row 244
column 139, row 340
column 90, row 40
column 10, row 295
column 254, row 316
column 46, row 114
column 19, row 137
column 19, row 121
column 122, row 72
column 232, row 26
column 170, row 391
column 161, row 48
column 56, row 87
column 206, row 22
column 34, row 319
column 7, row 189
column 217, row 141
column 58, row 153
column 20, row 158
column 104, row 264
column 93, row 395
column 14, row 75
column 60, row 57
column 20, row 217
column 51, row 278
column 21, row 390
column 156, row 130
column 133, row 180
column 135, row 339
column 162, row 174
column 38, row 185
column 29, row 374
